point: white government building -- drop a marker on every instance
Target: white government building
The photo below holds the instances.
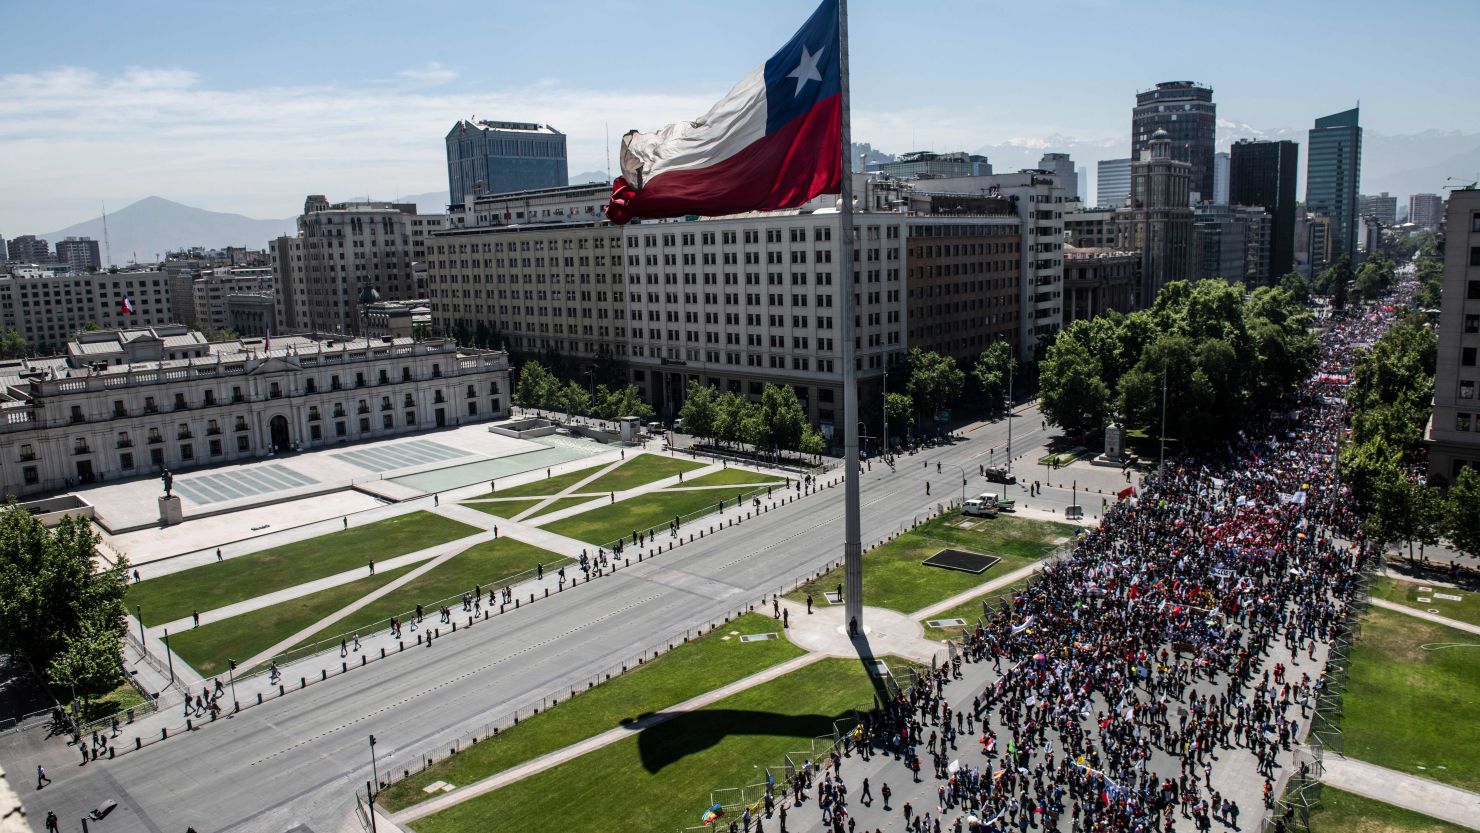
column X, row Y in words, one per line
column 132, row 402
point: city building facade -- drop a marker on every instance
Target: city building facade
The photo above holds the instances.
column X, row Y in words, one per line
column 1381, row 207
column 1425, row 210
column 136, row 401
column 1097, row 280
column 1112, row 182
column 1221, row 174
column 1061, row 166
column 1185, row 111
column 1091, row 228
column 1232, row 243
column 47, row 308
column 924, row 164
column 341, row 251
column 1264, row 174
column 497, row 157
column 1158, row 221
column 1453, row 434
column 1333, row 175
column 81, row 254
column 28, row 248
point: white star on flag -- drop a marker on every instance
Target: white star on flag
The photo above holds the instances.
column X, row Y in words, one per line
column 807, row 69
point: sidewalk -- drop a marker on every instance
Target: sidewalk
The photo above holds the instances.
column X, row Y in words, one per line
column 1451, row 804
column 1424, row 614
column 591, row 744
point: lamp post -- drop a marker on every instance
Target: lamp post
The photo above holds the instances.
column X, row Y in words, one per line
column 884, row 438
column 236, row 705
column 1161, row 467
column 1009, row 425
column 368, row 296
column 591, row 378
column 963, row 483
column 863, row 437
column 139, row 612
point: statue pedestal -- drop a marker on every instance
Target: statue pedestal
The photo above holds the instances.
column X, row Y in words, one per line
column 170, row 511
column 1115, row 451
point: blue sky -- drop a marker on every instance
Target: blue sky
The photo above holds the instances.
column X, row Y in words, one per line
column 249, row 105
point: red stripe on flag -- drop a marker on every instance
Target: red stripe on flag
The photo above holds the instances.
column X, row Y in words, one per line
column 783, row 170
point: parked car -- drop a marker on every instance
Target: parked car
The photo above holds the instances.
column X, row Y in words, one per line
column 979, row 508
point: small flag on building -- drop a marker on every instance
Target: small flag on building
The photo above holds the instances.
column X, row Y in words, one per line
column 126, row 306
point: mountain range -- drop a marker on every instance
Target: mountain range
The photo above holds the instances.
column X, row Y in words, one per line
column 1398, row 164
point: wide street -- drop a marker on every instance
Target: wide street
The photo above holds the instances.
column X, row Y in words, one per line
column 298, row 763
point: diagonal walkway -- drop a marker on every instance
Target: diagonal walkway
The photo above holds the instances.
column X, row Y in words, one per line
column 311, row 587
column 1425, row 615
column 560, row 756
column 339, row 614
column 1421, row 795
column 983, row 589
column 573, row 489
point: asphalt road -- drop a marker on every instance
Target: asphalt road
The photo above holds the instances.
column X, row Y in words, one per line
column 297, row 763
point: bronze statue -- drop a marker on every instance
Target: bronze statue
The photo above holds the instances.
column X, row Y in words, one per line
column 169, row 481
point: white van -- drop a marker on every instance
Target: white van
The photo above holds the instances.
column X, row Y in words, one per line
column 980, row 508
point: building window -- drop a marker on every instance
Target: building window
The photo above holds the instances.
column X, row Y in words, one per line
column 156, row 457
column 339, row 429
column 31, row 475
column 126, row 461
column 1472, row 324
column 1462, row 422
column 118, row 409
column 1473, row 292
column 364, row 425
column 210, row 398
column 310, row 386
column 1474, row 257
column 405, row 374
column 315, row 432
column 472, row 394
column 410, row 418
column 1466, row 389
column 236, row 394
column 1467, row 356
column 472, row 409
column 187, row 451
column 242, row 443
column 180, row 403
column 215, row 448
column 388, row 421
column 276, row 392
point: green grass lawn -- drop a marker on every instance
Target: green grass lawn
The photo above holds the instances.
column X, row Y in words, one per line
column 733, row 477
column 124, row 696
column 661, row 779
column 208, row 647
column 642, row 469
column 564, row 503
column 1344, row 812
column 688, row 671
column 489, row 564
column 1146, row 443
column 652, row 510
column 1406, row 708
column 1406, row 593
column 548, row 486
column 895, row 578
column 504, row 508
column 970, row 611
column 214, row 585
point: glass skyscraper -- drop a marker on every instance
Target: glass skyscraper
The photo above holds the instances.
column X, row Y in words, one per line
column 1185, row 110
column 1263, row 174
column 1333, row 174
column 503, row 156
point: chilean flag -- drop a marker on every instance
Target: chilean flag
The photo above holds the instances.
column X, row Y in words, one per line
column 126, row 306
column 775, row 141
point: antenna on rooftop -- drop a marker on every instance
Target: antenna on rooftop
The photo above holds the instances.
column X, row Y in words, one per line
column 608, row 150
column 107, row 249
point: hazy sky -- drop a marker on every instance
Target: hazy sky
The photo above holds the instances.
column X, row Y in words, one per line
column 249, row 105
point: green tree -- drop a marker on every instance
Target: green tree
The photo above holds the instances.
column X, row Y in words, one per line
column 574, row 399
column 935, row 380
column 783, row 416
column 991, row 371
column 1462, row 511
column 1337, row 274
column 899, row 409
column 536, row 387
column 731, row 417
column 1072, row 394
column 624, row 402
column 12, row 346
column 1297, row 285
column 699, row 412
column 1374, row 278
column 812, row 443
column 56, row 608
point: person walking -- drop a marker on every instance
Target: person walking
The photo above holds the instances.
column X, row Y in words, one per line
column 865, row 796
column 809, row 604
column 372, row 566
column 41, row 777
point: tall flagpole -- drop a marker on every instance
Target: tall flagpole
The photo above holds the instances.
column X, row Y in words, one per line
column 852, row 516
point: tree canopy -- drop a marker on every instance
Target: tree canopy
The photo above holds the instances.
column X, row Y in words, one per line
column 56, row 608
column 1224, row 351
column 935, row 380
